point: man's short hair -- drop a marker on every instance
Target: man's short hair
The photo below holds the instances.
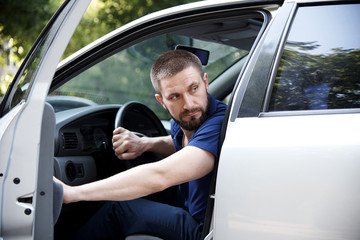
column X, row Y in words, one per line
column 171, row 63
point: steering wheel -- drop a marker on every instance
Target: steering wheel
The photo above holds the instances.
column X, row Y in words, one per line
column 139, row 119
column 142, row 121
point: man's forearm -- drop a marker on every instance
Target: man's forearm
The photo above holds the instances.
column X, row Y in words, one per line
column 120, row 187
column 162, row 145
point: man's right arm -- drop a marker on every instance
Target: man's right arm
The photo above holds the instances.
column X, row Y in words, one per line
column 129, row 146
column 185, row 165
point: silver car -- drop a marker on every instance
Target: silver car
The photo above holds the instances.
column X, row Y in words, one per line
column 289, row 71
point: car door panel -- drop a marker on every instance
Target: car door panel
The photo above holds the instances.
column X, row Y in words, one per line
column 291, row 178
column 20, row 186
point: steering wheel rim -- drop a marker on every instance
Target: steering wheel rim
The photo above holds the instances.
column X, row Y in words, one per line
column 134, row 106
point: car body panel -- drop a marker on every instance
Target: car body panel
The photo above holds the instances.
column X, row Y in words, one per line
column 293, row 177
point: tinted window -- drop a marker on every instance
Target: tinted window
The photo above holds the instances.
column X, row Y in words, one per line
column 320, row 64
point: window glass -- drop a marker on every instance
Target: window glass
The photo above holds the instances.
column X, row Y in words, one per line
column 125, row 76
column 320, row 64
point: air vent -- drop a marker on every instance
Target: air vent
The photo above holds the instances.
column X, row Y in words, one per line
column 70, row 140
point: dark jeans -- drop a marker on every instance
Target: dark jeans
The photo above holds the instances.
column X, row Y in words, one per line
column 116, row 220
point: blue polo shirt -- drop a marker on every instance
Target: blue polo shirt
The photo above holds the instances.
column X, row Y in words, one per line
column 194, row 194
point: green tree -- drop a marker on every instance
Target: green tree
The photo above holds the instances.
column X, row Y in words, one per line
column 21, row 22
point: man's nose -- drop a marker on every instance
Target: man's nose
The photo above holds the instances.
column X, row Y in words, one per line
column 188, row 102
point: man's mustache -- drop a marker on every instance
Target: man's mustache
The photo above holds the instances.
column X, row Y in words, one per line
column 186, row 112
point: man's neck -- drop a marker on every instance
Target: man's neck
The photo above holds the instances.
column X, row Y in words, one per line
column 186, row 137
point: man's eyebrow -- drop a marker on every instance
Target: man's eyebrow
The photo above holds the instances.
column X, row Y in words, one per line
column 192, row 84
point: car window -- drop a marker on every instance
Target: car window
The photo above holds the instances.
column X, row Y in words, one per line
column 125, row 76
column 320, row 64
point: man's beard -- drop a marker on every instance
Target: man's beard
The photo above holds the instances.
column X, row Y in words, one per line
column 194, row 123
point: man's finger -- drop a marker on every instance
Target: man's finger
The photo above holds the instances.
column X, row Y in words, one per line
column 119, row 130
column 126, row 156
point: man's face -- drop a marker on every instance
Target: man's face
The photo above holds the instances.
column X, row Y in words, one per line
column 185, row 97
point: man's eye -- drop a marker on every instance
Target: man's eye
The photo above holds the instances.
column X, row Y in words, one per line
column 174, row 97
column 194, row 89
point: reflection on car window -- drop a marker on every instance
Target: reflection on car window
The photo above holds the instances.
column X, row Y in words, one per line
column 320, row 65
column 125, row 76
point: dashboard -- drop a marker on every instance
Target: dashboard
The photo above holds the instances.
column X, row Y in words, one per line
column 83, row 142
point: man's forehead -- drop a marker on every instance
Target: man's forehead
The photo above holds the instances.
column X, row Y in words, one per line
column 180, row 81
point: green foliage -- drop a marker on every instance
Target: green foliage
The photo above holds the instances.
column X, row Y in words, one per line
column 21, row 21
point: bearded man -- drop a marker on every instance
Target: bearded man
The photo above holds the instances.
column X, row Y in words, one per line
column 191, row 151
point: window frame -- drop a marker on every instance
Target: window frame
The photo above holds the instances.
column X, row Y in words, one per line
column 265, row 112
column 260, row 65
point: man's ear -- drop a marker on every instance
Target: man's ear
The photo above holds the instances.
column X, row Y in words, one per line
column 206, row 81
column 160, row 100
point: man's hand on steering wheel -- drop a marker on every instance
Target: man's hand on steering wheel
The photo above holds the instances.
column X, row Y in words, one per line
column 127, row 145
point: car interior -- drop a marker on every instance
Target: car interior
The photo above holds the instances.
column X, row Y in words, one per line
column 108, row 86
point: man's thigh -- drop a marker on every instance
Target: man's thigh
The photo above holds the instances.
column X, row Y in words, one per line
column 115, row 220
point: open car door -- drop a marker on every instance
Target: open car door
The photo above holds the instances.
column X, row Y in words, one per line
column 27, row 133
